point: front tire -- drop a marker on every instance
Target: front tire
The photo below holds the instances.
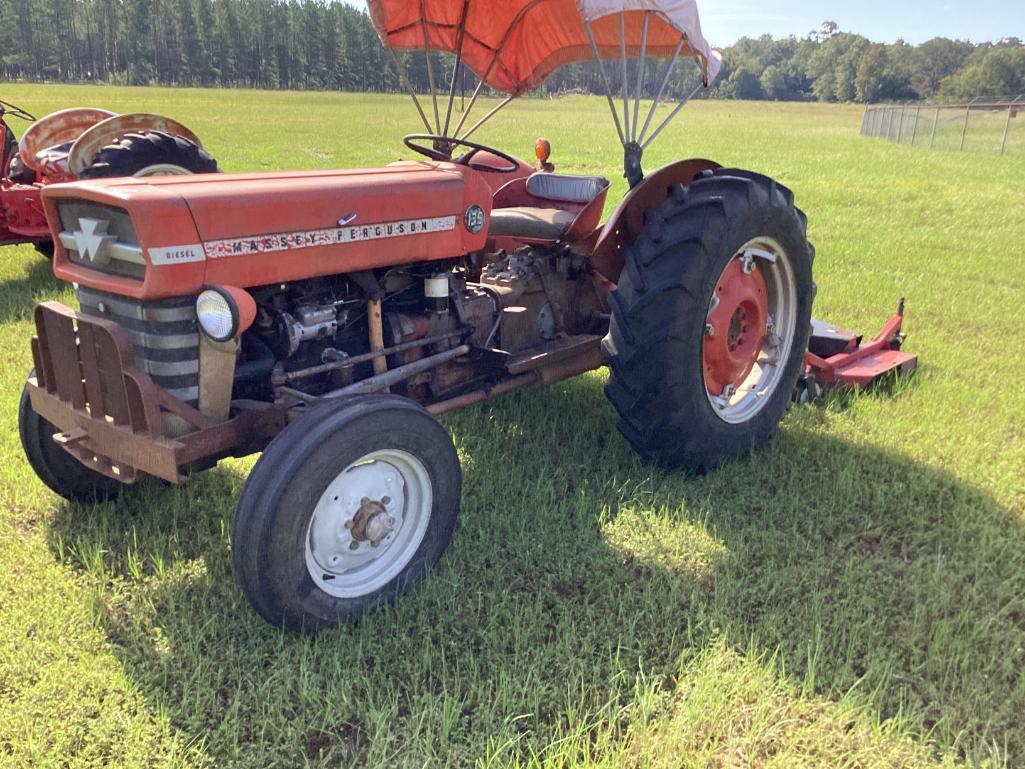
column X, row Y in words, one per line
column 710, row 320
column 347, row 508
column 56, row 468
column 149, row 153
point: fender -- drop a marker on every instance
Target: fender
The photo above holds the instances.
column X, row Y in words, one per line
column 101, row 134
column 58, row 128
column 627, row 220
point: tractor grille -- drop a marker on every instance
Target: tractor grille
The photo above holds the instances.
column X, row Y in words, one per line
column 163, row 333
column 101, row 238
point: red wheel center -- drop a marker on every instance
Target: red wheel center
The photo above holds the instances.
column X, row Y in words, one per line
column 735, row 329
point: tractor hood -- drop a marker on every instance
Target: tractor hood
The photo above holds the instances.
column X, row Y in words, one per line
column 259, row 229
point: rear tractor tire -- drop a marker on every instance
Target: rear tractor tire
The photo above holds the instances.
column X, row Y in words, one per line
column 55, row 467
column 348, row 507
column 149, row 153
column 710, row 320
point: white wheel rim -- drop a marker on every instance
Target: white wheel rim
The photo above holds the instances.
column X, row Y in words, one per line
column 162, row 169
column 754, row 393
column 342, row 556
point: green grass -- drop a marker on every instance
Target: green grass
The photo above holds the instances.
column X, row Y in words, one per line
column 853, row 595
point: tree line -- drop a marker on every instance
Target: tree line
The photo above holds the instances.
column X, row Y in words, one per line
column 320, row 44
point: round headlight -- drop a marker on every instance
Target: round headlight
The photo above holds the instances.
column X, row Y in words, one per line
column 217, row 314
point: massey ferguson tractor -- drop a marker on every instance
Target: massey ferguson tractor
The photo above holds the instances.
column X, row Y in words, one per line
column 83, row 143
column 326, row 318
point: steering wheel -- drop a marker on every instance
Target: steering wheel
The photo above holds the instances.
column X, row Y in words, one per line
column 442, row 146
column 6, row 108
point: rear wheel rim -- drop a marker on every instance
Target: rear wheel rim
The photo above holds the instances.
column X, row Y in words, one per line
column 368, row 523
column 750, row 327
column 162, row 169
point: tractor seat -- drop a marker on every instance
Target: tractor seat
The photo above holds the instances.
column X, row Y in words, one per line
column 546, row 223
column 530, row 222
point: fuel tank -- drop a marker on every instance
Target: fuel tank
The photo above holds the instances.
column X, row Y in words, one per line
column 184, row 232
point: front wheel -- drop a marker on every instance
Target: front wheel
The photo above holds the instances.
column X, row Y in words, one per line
column 710, row 320
column 347, row 508
column 56, row 468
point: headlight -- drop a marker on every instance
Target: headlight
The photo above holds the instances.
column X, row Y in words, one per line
column 224, row 312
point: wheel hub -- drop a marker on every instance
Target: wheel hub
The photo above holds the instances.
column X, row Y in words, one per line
column 372, row 523
column 735, row 329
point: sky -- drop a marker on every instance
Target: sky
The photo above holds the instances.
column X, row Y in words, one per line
column 882, row 21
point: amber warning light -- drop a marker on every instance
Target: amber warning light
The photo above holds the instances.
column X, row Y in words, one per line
column 543, row 151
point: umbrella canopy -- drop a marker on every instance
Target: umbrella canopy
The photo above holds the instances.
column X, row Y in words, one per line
column 513, row 45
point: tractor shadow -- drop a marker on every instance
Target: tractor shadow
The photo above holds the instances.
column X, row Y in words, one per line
column 860, row 568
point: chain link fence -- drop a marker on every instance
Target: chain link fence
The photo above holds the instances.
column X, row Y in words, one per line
column 981, row 125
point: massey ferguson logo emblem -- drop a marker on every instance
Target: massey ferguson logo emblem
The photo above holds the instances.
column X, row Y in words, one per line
column 91, row 240
column 353, row 233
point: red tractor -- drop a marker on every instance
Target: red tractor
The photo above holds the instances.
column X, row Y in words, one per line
column 327, row 317
column 83, row 143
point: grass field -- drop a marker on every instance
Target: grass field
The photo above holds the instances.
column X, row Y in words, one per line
column 851, row 596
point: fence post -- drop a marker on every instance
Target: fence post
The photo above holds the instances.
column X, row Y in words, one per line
column 914, row 133
column 900, row 125
column 1007, row 124
column 864, row 121
column 967, row 114
column 935, row 121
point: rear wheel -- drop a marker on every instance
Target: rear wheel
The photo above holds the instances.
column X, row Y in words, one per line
column 60, row 471
column 150, row 153
column 710, row 320
column 347, row 508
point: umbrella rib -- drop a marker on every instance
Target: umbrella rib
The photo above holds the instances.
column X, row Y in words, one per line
column 640, row 75
column 430, row 65
column 672, row 114
column 626, row 87
column 662, row 87
column 408, row 86
column 605, row 80
column 487, row 117
column 455, row 66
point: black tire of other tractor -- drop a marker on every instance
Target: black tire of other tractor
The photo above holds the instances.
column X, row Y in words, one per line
column 273, row 515
column 55, row 467
column 659, row 309
column 45, row 248
column 138, row 151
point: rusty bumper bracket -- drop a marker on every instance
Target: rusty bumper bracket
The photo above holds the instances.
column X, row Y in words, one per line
column 112, row 417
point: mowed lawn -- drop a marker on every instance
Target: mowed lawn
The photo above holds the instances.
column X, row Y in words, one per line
column 853, row 595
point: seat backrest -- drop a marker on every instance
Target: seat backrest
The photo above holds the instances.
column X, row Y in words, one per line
column 566, row 188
